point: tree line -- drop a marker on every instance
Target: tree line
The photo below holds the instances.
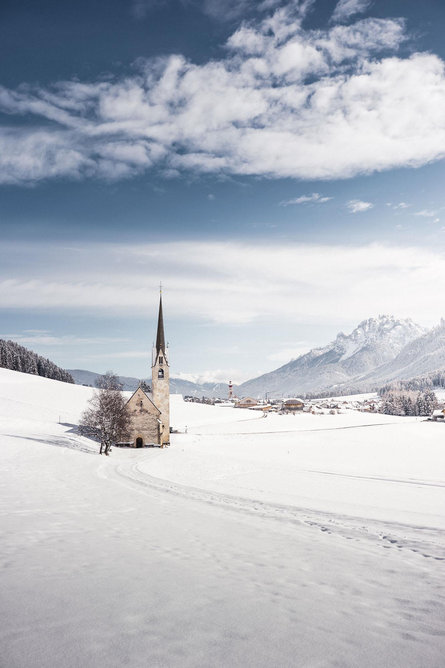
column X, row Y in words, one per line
column 408, row 403
column 417, row 384
column 18, row 358
column 344, row 391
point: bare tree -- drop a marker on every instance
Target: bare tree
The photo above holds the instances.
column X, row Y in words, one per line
column 106, row 417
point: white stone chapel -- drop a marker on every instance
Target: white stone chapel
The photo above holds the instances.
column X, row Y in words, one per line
column 150, row 415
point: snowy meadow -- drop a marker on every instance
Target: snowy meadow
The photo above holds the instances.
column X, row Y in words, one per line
column 292, row 540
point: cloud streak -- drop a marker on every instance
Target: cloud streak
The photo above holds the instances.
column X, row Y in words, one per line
column 358, row 206
column 398, row 206
column 426, row 213
column 304, row 199
column 221, row 10
column 28, row 338
column 347, row 8
column 252, row 283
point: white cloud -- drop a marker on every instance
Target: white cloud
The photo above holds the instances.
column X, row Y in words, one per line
column 400, row 205
column 293, row 99
column 426, row 213
column 347, row 8
column 124, row 354
column 225, row 10
column 251, row 283
column 357, row 206
column 44, row 338
column 303, row 199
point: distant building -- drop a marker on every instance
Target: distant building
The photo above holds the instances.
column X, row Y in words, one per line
column 292, row 405
column 247, row 402
column 265, row 408
column 438, row 415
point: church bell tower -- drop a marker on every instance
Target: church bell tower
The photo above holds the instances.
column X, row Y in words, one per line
column 160, row 379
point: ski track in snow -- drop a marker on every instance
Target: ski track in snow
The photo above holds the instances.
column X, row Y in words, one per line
column 292, row 431
column 349, row 527
column 431, row 545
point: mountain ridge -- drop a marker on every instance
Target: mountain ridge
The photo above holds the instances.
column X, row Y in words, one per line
column 375, row 341
column 379, row 350
column 177, row 385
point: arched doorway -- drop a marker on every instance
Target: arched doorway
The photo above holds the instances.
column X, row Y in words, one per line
column 139, row 442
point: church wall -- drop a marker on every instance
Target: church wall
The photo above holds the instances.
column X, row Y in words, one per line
column 144, row 419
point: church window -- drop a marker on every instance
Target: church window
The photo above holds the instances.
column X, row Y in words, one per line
column 161, row 360
column 161, row 373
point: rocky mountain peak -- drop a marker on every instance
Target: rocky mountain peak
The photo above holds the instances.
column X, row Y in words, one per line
column 384, row 329
column 374, row 342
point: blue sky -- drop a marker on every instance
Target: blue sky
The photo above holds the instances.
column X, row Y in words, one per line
column 278, row 165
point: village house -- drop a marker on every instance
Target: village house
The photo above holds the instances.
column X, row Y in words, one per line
column 438, row 415
column 247, row 402
column 292, row 405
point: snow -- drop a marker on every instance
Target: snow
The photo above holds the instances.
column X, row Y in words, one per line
column 440, row 394
column 320, row 462
column 385, row 330
column 291, row 540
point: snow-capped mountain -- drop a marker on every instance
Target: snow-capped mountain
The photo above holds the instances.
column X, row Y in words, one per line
column 177, row 385
column 419, row 357
column 373, row 343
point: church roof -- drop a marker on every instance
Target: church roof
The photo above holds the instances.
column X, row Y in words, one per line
column 138, row 391
column 160, row 338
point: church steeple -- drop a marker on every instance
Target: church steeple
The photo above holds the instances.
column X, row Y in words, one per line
column 160, row 338
column 160, row 377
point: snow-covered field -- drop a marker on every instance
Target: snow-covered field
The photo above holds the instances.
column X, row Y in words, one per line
column 282, row 541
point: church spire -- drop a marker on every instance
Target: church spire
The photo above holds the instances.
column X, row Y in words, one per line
column 160, row 338
column 160, row 375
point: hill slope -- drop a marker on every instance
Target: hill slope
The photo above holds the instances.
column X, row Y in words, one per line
column 15, row 357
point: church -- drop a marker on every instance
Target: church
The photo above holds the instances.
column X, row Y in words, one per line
column 150, row 415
